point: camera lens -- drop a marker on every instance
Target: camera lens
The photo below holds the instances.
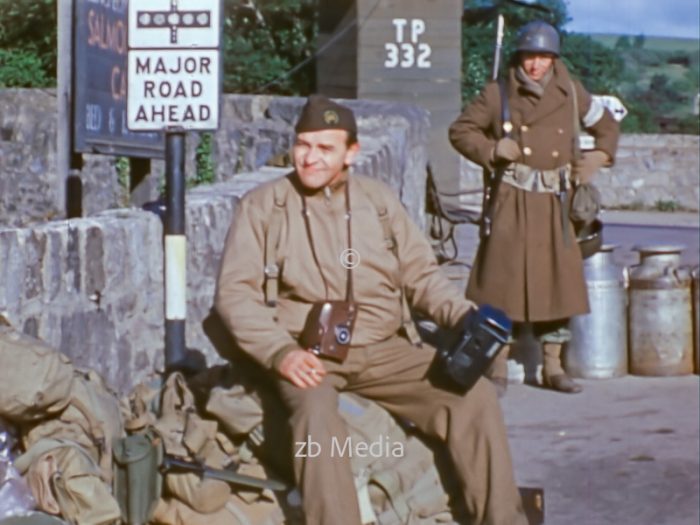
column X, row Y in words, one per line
column 342, row 334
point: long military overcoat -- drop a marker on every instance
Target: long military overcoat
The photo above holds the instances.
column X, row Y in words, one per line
column 525, row 267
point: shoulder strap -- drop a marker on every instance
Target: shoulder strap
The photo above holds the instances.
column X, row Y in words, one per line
column 390, row 240
column 390, row 484
column 506, row 124
column 383, row 214
column 272, row 240
column 577, row 124
column 44, row 445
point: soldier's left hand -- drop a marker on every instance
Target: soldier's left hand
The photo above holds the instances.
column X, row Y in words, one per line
column 588, row 165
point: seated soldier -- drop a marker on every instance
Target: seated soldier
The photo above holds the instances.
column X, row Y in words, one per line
column 318, row 235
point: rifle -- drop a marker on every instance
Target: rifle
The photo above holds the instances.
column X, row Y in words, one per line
column 492, row 181
column 172, row 463
column 140, row 464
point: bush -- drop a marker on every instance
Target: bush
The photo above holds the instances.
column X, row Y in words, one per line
column 265, row 43
column 22, row 68
column 28, row 30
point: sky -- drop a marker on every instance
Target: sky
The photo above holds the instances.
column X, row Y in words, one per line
column 678, row 18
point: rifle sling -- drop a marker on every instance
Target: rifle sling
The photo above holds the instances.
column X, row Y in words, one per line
column 497, row 175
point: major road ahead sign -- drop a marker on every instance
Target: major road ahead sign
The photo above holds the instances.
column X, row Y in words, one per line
column 174, row 65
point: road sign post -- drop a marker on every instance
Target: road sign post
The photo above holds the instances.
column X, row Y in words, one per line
column 174, row 85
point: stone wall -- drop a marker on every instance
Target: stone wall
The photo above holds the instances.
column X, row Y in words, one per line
column 255, row 131
column 93, row 287
column 650, row 172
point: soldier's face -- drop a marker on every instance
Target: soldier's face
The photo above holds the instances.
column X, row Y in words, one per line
column 320, row 157
column 536, row 65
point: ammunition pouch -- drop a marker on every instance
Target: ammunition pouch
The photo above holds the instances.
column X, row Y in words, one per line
column 471, row 349
column 530, row 179
column 328, row 329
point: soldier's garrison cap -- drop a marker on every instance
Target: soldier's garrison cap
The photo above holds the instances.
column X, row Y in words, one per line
column 321, row 113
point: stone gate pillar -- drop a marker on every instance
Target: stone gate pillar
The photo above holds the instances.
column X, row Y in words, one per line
column 397, row 50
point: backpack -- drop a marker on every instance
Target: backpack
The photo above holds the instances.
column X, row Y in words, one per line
column 35, row 379
column 402, row 488
column 92, row 419
column 65, row 480
column 391, row 490
column 33, row 518
column 235, row 512
column 186, row 497
column 67, row 419
column 186, row 435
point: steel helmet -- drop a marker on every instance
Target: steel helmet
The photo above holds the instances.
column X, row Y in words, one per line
column 590, row 238
column 538, row 36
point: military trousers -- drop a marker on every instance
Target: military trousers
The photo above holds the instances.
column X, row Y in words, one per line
column 393, row 374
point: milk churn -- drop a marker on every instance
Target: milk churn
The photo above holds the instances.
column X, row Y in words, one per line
column 660, row 313
column 598, row 346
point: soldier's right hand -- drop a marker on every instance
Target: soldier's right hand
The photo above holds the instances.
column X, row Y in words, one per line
column 506, row 150
column 302, row 369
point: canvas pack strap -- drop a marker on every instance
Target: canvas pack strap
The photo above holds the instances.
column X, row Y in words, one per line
column 577, row 124
column 390, row 240
column 272, row 239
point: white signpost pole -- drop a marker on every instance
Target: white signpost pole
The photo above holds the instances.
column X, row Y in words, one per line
column 174, row 85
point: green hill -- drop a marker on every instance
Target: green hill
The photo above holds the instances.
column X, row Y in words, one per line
column 661, row 81
column 653, row 43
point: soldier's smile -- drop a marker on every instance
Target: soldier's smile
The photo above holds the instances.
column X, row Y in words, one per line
column 321, row 157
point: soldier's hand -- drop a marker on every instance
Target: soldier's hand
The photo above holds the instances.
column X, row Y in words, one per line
column 302, row 368
column 588, row 165
column 506, row 150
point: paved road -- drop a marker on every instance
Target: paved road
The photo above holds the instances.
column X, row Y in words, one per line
column 625, row 451
column 622, row 233
column 627, row 236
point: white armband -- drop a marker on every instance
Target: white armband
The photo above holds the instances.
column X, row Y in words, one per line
column 594, row 114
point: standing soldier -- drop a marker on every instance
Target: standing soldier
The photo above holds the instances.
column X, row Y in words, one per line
column 530, row 265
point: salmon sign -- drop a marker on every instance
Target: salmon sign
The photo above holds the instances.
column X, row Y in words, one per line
column 174, row 66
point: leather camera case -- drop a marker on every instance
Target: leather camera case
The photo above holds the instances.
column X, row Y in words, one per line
column 328, row 329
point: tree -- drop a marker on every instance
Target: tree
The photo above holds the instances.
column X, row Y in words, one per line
column 600, row 69
column 28, row 43
column 269, row 46
column 479, row 35
column 22, row 68
column 623, row 43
